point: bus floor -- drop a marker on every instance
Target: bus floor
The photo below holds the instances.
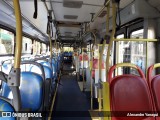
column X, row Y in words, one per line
column 71, row 103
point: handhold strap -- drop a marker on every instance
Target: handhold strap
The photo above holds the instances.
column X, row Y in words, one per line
column 36, row 7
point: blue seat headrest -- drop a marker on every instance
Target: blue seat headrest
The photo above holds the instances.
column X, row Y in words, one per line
column 6, row 107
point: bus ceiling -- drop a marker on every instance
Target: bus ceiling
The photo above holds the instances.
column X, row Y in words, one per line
column 73, row 18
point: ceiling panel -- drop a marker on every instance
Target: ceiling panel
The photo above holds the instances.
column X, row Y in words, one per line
column 154, row 3
column 124, row 3
column 27, row 9
column 7, row 19
column 41, row 21
column 99, row 22
column 82, row 13
column 4, row 7
column 85, row 2
column 64, row 30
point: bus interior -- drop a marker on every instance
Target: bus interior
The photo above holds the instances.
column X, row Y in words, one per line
column 79, row 60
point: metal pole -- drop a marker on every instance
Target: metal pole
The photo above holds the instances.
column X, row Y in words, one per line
column 17, row 59
column 14, row 75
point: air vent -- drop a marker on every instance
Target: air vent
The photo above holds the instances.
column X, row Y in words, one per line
column 70, row 17
column 73, row 4
column 103, row 14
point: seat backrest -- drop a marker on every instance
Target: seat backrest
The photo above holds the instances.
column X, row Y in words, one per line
column 54, row 68
column 31, row 90
column 45, row 63
column 6, row 107
column 130, row 93
column 155, row 86
column 54, row 65
column 6, row 68
column 47, row 71
column 154, row 83
column 6, row 91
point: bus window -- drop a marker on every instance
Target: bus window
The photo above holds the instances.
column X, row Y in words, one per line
column 6, row 42
column 26, row 46
column 120, row 52
column 138, row 50
column 36, row 47
column 68, row 49
column 6, row 48
column 44, row 48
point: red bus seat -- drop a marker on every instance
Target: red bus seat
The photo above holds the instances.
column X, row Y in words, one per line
column 129, row 94
column 154, row 83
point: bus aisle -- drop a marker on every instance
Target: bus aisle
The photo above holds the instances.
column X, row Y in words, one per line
column 71, row 103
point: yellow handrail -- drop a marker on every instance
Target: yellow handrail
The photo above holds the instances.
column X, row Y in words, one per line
column 91, row 67
column 126, row 65
column 156, row 65
column 105, row 90
column 140, row 39
column 114, row 7
column 106, row 99
column 50, row 41
column 18, row 49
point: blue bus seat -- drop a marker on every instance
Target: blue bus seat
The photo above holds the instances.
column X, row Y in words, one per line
column 47, row 70
column 31, row 91
column 25, row 67
column 6, row 107
column 49, row 82
column 47, row 64
column 6, row 91
column 6, row 68
column 44, row 63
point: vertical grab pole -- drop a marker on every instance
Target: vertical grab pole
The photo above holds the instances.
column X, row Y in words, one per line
column 91, row 60
column 55, row 42
column 111, row 37
column 107, row 101
column 51, row 55
column 101, row 89
column 50, row 42
column 91, row 66
column 18, row 48
column 105, row 96
column 146, row 57
column 83, row 69
column 14, row 75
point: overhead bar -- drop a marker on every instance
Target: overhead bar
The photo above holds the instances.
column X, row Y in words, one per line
column 138, row 40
